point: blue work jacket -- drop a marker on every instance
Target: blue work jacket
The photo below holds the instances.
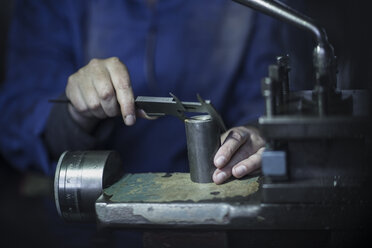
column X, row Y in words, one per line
column 218, row 49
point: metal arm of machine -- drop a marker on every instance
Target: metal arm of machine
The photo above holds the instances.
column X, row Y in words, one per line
column 323, row 55
column 285, row 13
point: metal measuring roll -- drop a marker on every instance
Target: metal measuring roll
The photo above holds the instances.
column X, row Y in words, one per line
column 203, row 141
column 80, row 179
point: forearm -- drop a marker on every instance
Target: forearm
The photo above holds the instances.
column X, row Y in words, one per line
column 63, row 133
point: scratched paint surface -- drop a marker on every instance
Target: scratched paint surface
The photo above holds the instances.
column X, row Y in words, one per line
column 171, row 187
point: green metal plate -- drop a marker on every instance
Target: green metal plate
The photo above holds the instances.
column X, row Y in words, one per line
column 177, row 187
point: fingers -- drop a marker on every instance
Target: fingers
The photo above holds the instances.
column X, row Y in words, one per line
column 105, row 92
column 239, row 155
column 234, row 140
column 220, row 176
column 223, row 173
column 124, row 93
column 102, row 89
column 240, row 169
column 248, row 165
column 91, row 99
column 73, row 93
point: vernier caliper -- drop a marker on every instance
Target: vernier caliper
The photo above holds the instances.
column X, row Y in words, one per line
column 161, row 106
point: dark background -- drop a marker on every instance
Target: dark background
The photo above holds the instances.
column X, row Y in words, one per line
column 24, row 195
column 5, row 15
column 23, row 221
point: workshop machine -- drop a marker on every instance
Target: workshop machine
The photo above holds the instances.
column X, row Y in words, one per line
column 313, row 191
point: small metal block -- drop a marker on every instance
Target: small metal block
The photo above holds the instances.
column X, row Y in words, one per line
column 274, row 163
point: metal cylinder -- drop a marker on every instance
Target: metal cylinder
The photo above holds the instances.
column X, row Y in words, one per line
column 203, row 141
column 80, row 179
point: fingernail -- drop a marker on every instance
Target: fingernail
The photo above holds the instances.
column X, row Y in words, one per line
column 240, row 171
column 221, row 177
column 129, row 120
column 220, row 161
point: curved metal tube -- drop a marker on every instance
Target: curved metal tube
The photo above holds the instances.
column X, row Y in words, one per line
column 323, row 55
column 285, row 13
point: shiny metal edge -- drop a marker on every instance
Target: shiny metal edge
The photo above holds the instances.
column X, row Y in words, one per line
column 56, row 183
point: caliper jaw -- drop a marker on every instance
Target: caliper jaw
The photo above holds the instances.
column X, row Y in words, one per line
column 161, row 106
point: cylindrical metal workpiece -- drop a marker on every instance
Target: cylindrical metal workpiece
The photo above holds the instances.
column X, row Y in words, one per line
column 203, row 141
column 80, row 179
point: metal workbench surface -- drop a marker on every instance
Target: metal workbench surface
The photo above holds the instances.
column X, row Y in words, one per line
column 164, row 200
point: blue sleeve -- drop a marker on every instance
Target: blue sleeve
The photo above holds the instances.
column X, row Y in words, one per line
column 42, row 51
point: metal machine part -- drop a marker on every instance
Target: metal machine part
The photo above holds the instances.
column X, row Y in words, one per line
column 203, row 141
column 319, row 141
column 324, row 61
column 80, row 179
column 306, row 153
column 285, row 13
column 172, row 201
column 160, row 106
